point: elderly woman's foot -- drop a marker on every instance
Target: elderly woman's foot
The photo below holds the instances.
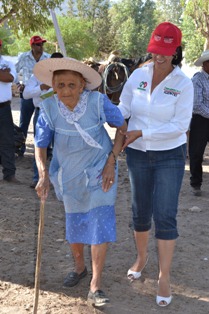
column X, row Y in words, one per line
column 97, row 298
column 73, row 278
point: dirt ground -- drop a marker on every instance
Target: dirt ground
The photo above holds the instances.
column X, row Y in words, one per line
column 19, row 218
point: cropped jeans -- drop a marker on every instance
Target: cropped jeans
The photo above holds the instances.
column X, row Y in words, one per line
column 156, row 178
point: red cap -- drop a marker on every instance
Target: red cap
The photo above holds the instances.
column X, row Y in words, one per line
column 165, row 39
column 0, row 42
column 37, row 40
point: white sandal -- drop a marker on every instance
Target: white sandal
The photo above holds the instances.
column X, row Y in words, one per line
column 133, row 275
column 166, row 300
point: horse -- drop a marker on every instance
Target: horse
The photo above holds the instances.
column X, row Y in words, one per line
column 115, row 74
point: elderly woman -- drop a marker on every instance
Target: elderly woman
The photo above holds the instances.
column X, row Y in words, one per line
column 83, row 169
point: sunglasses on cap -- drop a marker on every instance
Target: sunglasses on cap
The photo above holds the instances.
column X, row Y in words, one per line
column 167, row 40
column 39, row 44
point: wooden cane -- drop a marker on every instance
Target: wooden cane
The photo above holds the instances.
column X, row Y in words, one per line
column 38, row 257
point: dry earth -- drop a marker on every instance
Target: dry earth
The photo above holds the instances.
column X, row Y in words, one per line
column 19, row 218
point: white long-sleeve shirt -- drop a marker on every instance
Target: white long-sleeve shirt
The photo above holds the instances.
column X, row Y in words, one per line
column 33, row 90
column 6, row 87
column 163, row 115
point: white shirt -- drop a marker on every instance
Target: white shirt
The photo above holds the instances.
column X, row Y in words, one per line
column 33, row 90
column 6, row 88
column 163, row 116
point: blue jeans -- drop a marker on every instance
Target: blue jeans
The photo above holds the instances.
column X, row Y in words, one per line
column 26, row 111
column 156, row 178
column 7, row 143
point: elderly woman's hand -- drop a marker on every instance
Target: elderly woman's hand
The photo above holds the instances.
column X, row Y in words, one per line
column 108, row 176
column 42, row 187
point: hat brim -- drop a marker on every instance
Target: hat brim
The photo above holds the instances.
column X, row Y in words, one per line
column 202, row 59
column 161, row 50
column 44, row 69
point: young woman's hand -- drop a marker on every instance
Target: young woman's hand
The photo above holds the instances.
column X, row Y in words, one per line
column 130, row 137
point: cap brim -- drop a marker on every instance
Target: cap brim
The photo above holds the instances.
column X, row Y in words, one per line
column 39, row 41
column 44, row 69
column 161, row 50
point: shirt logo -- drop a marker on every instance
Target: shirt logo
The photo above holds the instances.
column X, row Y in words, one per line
column 142, row 85
column 171, row 91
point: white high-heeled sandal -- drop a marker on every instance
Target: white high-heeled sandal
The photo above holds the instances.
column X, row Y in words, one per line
column 166, row 300
column 133, row 275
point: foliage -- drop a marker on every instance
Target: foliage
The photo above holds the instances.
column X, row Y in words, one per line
column 198, row 10
column 95, row 12
column 193, row 42
column 5, row 36
column 27, row 16
column 131, row 27
column 170, row 11
column 79, row 43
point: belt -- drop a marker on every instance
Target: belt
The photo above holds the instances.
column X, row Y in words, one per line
column 5, row 103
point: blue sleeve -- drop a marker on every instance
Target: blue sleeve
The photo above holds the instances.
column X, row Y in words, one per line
column 112, row 113
column 44, row 134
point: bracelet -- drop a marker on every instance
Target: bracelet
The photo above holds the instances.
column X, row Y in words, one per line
column 115, row 158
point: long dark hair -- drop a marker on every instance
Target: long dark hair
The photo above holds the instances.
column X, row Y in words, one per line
column 178, row 57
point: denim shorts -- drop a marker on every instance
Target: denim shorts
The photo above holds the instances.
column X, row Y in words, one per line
column 156, row 178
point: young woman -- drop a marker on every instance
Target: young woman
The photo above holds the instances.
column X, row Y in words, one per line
column 158, row 100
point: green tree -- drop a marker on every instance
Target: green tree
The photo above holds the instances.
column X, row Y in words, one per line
column 27, row 16
column 95, row 12
column 132, row 23
column 79, row 43
column 193, row 41
column 198, row 10
column 170, row 11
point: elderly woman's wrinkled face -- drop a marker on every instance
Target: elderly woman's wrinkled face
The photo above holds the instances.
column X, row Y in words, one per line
column 68, row 85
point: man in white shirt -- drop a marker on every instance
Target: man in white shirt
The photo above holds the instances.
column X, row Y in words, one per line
column 36, row 90
column 26, row 63
column 7, row 144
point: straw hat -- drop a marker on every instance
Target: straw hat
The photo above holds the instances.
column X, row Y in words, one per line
column 204, row 57
column 44, row 69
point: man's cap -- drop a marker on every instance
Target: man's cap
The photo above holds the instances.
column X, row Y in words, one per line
column 37, row 40
column 165, row 39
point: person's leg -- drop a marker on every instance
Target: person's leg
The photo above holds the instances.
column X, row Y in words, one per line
column 7, row 145
column 141, row 240
column 98, row 253
column 140, row 175
column 26, row 112
column 77, row 250
column 165, row 251
column 198, row 138
column 169, row 171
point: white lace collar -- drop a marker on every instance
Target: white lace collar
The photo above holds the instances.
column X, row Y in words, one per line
column 72, row 117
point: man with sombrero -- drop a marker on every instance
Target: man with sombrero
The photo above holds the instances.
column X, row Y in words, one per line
column 199, row 129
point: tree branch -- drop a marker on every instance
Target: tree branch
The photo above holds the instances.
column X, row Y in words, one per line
column 7, row 16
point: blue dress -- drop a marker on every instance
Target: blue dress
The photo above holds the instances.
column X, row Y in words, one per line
column 76, row 166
